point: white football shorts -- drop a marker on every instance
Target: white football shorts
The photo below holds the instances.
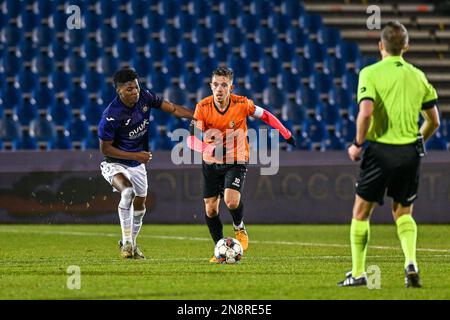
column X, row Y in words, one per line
column 137, row 176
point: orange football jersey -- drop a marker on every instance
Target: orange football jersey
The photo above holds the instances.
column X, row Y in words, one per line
column 228, row 127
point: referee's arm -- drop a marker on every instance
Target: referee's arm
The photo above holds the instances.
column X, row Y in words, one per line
column 431, row 123
column 363, row 120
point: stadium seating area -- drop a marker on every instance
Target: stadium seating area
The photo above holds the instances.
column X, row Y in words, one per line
column 298, row 59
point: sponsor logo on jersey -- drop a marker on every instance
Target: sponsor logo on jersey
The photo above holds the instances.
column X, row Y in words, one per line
column 139, row 131
column 127, row 122
column 232, row 124
column 145, row 108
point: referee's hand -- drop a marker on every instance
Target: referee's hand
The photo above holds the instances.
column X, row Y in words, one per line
column 354, row 152
column 143, row 156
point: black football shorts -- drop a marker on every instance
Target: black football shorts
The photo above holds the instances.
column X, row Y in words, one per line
column 218, row 177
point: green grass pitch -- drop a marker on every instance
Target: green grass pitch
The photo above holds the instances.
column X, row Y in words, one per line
column 282, row 262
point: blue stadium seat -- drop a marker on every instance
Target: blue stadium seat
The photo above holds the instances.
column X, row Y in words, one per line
column 176, row 95
column 330, row 114
column 143, row 63
column 174, row 66
column 307, row 97
column 93, row 111
column 293, row 111
column 292, row 8
column 26, row 142
column 329, row 36
column 109, row 8
column 334, row 66
column 186, row 22
column 217, row 22
column 60, row 51
column 31, row 20
column 125, row 20
column 231, row 8
column 12, row 35
column 77, row 37
column 366, row 61
column 340, row 96
column 248, row 22
column 76, row 64
column 279, row 22
column 334, row 143
column 61, row 80
column 289, row 81
column 163, row 142
column 141, row 35
column 350, row 82
column 220, row 51
column 232, row 36
column 158, row 50
column 199, row 8
column 240, row 65
column 188, row 50
column 436, row 142
column 303, row 143
column 316, row 52
column 202, row 36
column 44, row 95
column 191, row 81
column 27, row 111
column 110, row 64
column 274, row 98
column 108, row 93
column 321, row 82
column 205, row 91
column 205, row 64
column 78, row 128
column 170, row 35
column 12, row 62
column 28, row 49
column 176, row 123
column 43, row 128
column 314, row 129
column 93, row 50
column 169, row 9
column 14, row 8
column 156, row 22
column 44, row 63
column 27, row 80
column 77, row 95
column 297, row 37
column 257, row 81
column 126, row 50
column 11, row 95
column 46, row 8
column 91, row 142
column 265, row 37
column 283, row 51
column 346, row 129
column 270, row 66
column 240, row 91
column 158, row 81
column 348, row 52
column 252, row 51
column 10, row 128
column 140, row 8
column 43, row 35
column 61, row 112
column 108, row 35
column 302, row 66
column 310, row 23
column 61, row 141
column 93, row 21
column 352, row 111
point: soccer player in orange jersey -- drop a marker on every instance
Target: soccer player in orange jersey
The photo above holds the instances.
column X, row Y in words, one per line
column 222, row 118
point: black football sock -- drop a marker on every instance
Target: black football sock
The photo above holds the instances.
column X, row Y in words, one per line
column 237, row 214
column 215, row 227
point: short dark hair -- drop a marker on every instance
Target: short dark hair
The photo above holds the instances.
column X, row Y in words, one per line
column 124, row 75
column 223, row 72
column 395, row 37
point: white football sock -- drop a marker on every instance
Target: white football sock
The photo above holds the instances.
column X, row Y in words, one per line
column 138, row 215
column 126, row 201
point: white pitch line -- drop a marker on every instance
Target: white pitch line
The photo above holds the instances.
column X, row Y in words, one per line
column 289, row 243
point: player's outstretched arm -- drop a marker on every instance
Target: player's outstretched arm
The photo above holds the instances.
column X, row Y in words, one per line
column 272, row 121
column 109, row 150
column 195, row 142
column 176, row 110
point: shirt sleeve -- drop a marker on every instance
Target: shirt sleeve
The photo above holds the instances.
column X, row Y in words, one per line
column 199, row 119
column 430, row 97
column 152, row 99
column 250, row 107
column 366, row 87
column 107, row 127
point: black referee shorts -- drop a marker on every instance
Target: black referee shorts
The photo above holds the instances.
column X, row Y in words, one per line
column 394, row 168
column 218, row 177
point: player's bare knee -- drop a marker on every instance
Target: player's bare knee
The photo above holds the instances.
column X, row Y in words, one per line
column 126, row 197
column 211, row 212
column 232, row 204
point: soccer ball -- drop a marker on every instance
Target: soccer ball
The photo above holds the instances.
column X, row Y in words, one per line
column 228, row 250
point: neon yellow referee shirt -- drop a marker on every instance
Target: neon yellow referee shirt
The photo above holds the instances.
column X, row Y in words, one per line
column 399, row 92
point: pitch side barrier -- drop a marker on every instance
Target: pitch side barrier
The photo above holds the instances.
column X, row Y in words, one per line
column 310, row 187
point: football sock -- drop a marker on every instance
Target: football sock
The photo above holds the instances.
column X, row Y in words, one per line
column 407, row 233
column 215, row 227
column 237, row 214
column 138, row 215
column 125, row 215
column 359, row 238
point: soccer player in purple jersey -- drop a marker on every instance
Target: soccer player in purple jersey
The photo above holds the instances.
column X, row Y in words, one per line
column 123, row 133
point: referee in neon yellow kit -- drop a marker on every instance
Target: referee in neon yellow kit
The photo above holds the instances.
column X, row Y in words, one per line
column 391, row 95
